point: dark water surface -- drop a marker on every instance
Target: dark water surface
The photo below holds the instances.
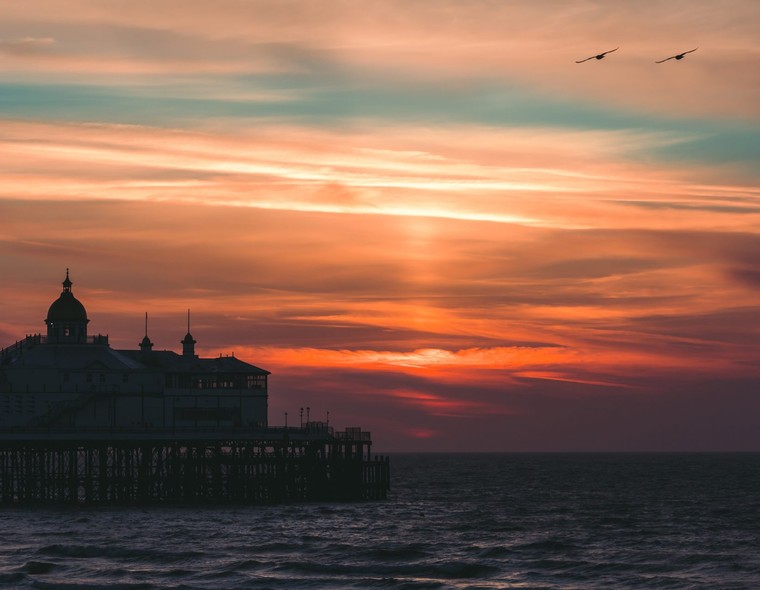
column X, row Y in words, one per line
column 453, row 521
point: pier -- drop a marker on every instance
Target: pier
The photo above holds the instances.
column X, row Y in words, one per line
column 309, row 464
column 84, row 423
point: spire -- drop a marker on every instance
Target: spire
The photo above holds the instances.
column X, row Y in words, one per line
column 146, row 345
column 188, row 344
column 67, row 283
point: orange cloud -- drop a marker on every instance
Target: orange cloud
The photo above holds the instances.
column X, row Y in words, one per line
column 439, row 406
column 409, row 173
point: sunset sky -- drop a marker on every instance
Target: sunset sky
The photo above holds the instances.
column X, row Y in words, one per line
column 422, row 216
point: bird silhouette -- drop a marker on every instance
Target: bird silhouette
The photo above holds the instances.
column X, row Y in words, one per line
column 679, row 56
column 600, row 56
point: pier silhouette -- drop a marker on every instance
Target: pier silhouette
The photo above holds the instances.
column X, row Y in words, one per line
column 83, row 422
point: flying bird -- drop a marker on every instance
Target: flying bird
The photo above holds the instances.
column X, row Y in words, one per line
column 679, row 56
column 600, row 56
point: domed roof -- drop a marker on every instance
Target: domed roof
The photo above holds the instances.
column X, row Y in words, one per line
column 67, row 308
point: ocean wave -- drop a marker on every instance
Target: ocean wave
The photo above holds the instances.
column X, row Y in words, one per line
column 411, row 552
column 97, row 551
column 14, row 578
column 39, row 585
column 39, row 567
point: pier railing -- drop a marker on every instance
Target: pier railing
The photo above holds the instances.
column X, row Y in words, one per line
column 38, row 430
column 18, row 347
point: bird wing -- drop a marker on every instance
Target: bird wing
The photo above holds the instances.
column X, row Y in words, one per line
column 666, row 59
column 690, row 51
column 597, row 56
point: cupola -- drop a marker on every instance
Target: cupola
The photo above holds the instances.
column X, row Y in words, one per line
column 67, row 318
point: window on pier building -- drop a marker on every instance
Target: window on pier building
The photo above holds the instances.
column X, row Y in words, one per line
column 182, row 381
column 212, row 382
column 256, row 381
column 219, row 382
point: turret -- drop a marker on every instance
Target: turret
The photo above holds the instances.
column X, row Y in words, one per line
column 145, row 344
column 188, row 343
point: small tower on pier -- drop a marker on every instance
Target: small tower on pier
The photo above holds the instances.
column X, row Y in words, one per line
column 145, row 344
column 188, row 343
column 67, row 318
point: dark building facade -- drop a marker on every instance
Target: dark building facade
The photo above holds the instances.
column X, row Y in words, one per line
column 68, row 379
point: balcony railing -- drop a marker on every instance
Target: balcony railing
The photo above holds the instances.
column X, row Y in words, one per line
column 19, row 346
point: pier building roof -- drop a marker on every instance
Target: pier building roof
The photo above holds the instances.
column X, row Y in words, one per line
column 168, row 360
column 74, row 357
column 67, row 347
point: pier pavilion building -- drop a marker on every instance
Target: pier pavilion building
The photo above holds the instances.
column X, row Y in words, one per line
column 69, row 379
column 81, row 422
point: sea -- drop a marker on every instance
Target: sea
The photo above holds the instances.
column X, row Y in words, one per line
column 474, row 521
